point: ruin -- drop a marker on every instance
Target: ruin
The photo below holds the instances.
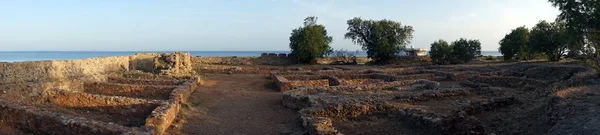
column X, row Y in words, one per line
column 151, row 93
column 106, row 102
column 414, row 100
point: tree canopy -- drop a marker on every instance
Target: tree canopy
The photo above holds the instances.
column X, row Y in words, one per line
column 460, row 51
column 310, row 42
column 582, row 19
column 465, row 50
column 550, row 39
column 516, row 44
column 441, row 53
column 382, row 39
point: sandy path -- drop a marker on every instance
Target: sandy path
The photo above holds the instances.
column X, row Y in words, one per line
column 237, row 104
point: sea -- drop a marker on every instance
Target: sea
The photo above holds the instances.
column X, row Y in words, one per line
column 18, row 56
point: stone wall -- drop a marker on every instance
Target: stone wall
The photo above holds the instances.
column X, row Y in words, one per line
column 175, row 64
column 91, row 69
column 142, row 61
column 20, row 80
column 115, row 105
column 40, row 121
column 234, row 60
column 129, row 90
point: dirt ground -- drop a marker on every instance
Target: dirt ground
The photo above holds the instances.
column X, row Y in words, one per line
column 6, row 130
column 234, row 105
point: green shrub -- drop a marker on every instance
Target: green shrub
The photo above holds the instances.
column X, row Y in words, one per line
column 382, row 39
column 310, row 42
column 460, row 51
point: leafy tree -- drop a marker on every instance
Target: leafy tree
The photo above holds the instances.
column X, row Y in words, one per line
column 582, row 18
column 460, row 51
column 515, row 44
column 381, row 39
column 550, row 39
column 441, row 53
column 576, row 44
column 465, row 50
column 310, row 42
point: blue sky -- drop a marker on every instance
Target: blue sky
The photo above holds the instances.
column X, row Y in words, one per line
column 239, row 25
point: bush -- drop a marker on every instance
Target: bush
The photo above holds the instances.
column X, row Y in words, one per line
column 310, row 42
column 465, row 50
column 516, row 45
column 381, row 39
column 441, row 53
column 460, row 51
column 550, row 39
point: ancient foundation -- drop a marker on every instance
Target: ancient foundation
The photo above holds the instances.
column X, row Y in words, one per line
column 104, row 97
column 425, row 100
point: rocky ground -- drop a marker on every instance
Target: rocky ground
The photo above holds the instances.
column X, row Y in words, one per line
column 500, row 98
column 487, row 98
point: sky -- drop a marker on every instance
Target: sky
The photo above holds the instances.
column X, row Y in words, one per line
column 247, row 25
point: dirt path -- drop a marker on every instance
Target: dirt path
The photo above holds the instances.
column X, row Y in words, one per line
column 237, row 104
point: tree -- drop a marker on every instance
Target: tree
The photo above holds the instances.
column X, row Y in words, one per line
column 515, row 44
column 460, row 51
column 381, row 39
column 310, row 42
column 441, row 53
column 550, row 39
column 465, row 50
column 582, row 19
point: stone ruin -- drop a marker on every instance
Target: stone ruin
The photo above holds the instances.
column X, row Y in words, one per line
column 416, row 100
column 175, row 64
column 130, row 104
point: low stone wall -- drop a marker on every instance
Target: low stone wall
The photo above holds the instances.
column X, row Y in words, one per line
column 415, row 77
column 230, row 69
column 183, row 91
column 145, row 75
column 318, row 116
column 144, row 81
column 360, row 81
column 24, row 80
column 290, row 80
column 128, row 90
column 40, row 121
column 156, row 115
column 285, row 82
column 123, row 106
column 161, row 118
column 432, row 94
column 299, row 98
column 234, row 60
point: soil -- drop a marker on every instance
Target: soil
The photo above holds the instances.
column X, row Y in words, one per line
column 380, row 125
column 101, row 116
column 237, row 104
column 6, row 130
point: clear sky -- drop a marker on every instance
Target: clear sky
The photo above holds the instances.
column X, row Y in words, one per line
column 246, row 25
